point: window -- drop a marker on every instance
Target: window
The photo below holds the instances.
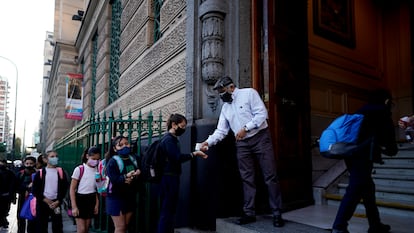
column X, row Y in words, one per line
column 157, row 19
column 115, row 54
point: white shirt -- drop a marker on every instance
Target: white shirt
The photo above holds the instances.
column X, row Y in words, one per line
column 246, row 109
column 51, row 183
column 87, row 182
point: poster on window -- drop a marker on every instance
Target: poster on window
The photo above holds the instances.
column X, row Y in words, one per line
column 74, row 96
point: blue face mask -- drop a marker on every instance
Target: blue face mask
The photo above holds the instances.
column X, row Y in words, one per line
column 54, row 161
column 124, row 151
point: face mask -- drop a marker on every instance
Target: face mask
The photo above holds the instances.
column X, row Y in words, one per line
column 179, row 131
column 124, row 151
column 92, row 162
column 226, row 97
column 29, row 167
column 53, row 161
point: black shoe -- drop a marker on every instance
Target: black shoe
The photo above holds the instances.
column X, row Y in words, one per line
column 278, row 221
column 245, row 219
column 381, row 228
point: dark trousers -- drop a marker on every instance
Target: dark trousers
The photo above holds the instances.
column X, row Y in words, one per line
column 169, row 200
column 43, row 212
column 258, row 147
column 5, row 203
column 361, row 186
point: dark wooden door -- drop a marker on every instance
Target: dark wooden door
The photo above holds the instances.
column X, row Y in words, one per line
column 281, row 74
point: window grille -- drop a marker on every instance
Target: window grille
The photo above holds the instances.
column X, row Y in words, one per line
column 115, row 54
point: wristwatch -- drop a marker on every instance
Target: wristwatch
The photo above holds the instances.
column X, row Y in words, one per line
column 246, row 129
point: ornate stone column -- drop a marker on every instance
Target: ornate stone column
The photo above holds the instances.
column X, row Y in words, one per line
column 212, row 14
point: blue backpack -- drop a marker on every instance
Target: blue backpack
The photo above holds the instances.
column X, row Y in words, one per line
column 340, row 139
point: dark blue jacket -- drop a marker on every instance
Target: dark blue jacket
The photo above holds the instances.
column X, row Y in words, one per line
column 171, row 147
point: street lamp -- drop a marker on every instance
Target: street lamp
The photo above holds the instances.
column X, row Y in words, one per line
column 15, row 109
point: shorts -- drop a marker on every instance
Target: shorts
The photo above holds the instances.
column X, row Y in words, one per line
column 86, row 205
column 114, row 206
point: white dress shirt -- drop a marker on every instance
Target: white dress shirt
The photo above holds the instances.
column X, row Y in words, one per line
column 247, row 109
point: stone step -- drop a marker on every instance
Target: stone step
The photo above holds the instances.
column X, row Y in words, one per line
column 387, row 206
column 392, row 176
column 395, row 170
column 394, row 182
column 404, row 162
column 394, row 195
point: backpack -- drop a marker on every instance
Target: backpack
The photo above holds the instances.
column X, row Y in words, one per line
column 152, row 162
column 104, row 186
column 340, row 139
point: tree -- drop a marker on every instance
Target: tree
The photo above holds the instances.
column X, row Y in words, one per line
column 17, row 148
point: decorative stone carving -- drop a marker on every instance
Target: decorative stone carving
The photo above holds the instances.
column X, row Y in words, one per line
column 212, row 57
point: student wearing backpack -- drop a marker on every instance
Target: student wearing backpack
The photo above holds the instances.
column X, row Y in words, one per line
column 83, row 195
column 122, row 170
column 50, row 186
column 24, row 187
column 170, row 181
column 377, row 124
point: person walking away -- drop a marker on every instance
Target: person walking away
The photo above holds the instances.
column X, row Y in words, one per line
column 50, row 186
column 122, row 170
column 83, row 193
column 244, row 113
column 7, row 192
column 170, row 181
column 24, row 187
column 378, row 127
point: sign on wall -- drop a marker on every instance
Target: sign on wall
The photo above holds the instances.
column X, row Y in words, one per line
column 74, row 96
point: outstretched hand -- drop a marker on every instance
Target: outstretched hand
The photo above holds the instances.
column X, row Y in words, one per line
column 200, row 154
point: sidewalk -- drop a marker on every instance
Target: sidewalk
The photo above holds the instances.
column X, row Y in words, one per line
column 68, row 226
column 311, row 219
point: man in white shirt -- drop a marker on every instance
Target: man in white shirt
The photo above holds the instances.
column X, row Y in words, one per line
column 245, row 114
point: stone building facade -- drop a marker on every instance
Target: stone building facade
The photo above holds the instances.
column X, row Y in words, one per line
column 165, row 56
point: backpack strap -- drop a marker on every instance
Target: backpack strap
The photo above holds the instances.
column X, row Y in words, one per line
column 81, row 171
column 119, row 162
column 134, row 160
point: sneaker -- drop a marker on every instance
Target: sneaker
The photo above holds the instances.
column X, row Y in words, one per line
column 245, row 219
column 278, row 221
column 381, row 228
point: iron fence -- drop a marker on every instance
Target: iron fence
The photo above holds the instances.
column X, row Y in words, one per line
column 98, row 131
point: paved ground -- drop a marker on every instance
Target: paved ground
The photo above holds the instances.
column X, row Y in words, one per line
column 68, row 226
column 312, row 219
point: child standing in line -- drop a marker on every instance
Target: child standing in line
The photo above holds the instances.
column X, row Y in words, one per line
column 83, row 194
column 121, row 196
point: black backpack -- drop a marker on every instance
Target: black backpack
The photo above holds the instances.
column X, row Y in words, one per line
column 153, row 162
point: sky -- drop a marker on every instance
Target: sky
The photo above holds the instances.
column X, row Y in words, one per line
column 23, row 26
